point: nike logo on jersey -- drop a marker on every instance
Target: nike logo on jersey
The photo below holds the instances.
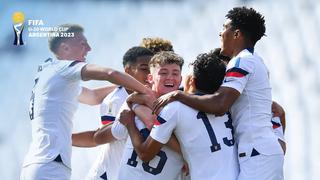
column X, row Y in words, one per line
column 225, row 80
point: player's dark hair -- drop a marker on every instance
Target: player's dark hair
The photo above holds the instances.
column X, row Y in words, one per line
column 157, row 44
column 166, row 57
column 248, row 21
column 208, row 71
column 130, row 57
column 55, row 41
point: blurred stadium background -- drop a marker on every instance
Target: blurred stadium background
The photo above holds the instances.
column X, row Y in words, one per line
column 290, row 50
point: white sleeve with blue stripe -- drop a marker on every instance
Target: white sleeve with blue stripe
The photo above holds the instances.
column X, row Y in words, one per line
column 165, row 123
column 238, row 73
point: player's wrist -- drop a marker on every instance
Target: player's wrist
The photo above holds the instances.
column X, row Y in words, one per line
column 176, row 95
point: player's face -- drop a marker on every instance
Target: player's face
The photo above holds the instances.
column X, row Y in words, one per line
column 165, row 78
column 78, row 47
column 227, row 37
column 140, row 69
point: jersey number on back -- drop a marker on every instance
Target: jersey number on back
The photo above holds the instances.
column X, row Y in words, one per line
column 215, row 145
column 145, row 165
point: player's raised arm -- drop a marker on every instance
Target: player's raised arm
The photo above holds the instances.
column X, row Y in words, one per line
column 219, row 102
column 103, row 135
column 95, row 72
column 95, row 96
column 83, row 139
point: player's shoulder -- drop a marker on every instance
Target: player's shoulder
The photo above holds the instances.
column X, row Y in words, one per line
column 175, row 107
column 118, row 91
column 118, row 94
column 68, row 64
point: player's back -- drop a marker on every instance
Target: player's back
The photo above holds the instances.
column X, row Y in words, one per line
column 167, row 164
column 251, row 111
column 207, row 143
column 52, row 106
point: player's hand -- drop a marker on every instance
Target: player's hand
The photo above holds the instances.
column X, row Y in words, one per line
column 126, row 117
column 138, row 98
column 164, row 100
column 277, row 110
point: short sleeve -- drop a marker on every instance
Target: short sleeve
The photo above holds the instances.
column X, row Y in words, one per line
column 165, row 123
column 109, row 110
column 277, row 128
column 238, row 73
column 72, row 70
column 118, row 130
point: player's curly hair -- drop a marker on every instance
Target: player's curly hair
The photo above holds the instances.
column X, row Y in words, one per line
column 157, row 44
column 248, row 21
column 166, row 57
column 208, row 71
column 130, row 57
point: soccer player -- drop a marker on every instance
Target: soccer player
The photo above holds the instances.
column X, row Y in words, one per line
column 165, row 69
column 206, row 141
column 246, row 92
column 106, row 166
column 54, row 101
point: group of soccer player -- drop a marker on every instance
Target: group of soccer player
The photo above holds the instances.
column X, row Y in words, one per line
column 221, row 125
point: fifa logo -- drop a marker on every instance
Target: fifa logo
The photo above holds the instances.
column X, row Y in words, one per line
column 18, row 25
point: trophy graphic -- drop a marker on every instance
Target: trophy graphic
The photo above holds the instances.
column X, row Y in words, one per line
column 18, row 20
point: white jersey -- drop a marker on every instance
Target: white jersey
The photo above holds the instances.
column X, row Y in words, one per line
column 52, row 107
column 206, row 141
column 251, row 112
column 167, row 164
column 107, row 163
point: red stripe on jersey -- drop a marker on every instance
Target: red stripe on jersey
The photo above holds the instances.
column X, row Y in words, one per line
column 104, row 122
column 159, row 121
column 234, row 74
column 275, row 126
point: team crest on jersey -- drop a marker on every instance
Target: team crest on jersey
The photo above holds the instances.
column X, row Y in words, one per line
column 159, row 121
column 109, row 115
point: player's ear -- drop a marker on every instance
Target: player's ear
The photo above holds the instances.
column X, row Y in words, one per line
column 236, row 33
column 150, row 79
column 186, row 85
column 64, row 46
column 127, row 69
column 192, row 84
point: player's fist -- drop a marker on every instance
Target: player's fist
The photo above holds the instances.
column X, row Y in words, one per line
column 126, row 117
